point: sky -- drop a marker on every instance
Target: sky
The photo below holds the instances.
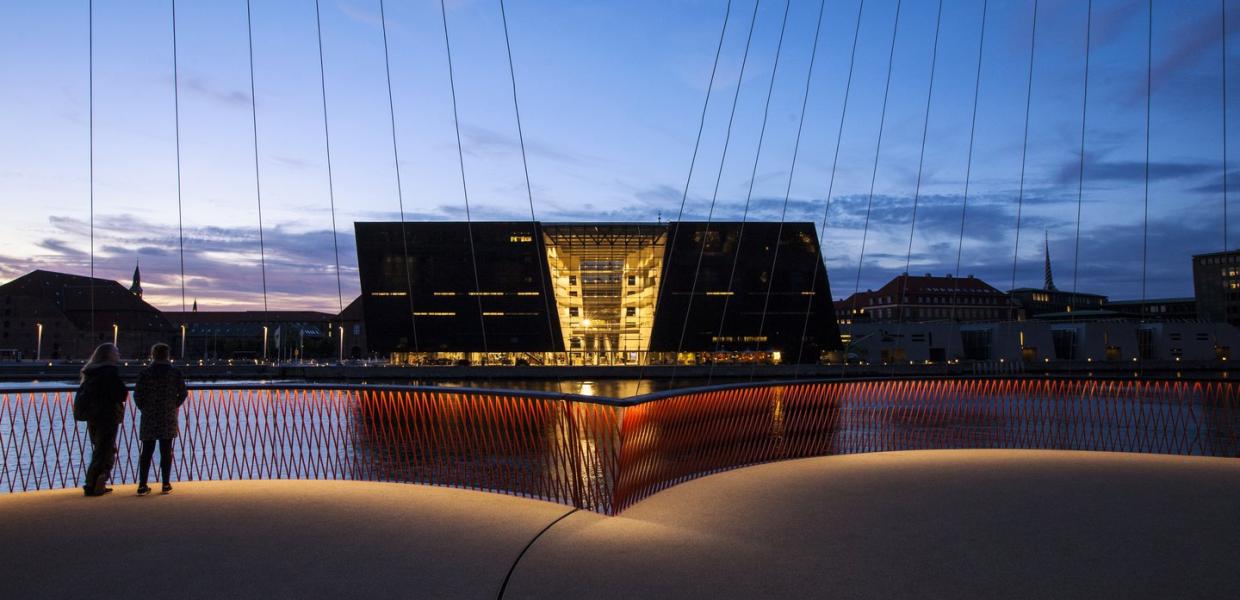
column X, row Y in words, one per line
column 610, row 95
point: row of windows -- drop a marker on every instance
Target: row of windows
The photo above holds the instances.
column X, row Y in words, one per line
column 939, row 313
column 1218, row 260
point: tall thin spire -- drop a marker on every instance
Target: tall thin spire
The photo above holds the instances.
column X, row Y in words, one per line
column 136, row 287
column 1049, row 280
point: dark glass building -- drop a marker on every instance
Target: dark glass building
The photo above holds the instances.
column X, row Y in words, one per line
column 595, row 293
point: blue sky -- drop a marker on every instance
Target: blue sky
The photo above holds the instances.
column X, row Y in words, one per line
column 610, row 96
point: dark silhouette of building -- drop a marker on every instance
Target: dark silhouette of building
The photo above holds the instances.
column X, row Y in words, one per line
column 925, row 298
column 239, row 335
column 1216, row 282
column 353, row 319
column 1043, row 303
column 1051, row 302
column 76, row 314
column 136, row 287
column 586, row 293
column 1154, row 309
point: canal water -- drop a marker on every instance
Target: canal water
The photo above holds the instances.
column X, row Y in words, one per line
column 610, row 388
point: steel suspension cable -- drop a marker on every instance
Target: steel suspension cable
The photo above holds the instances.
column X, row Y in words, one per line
column 529, row 190
column 753, row 176
column 1024, row 151
column 1145, row 209
column 400, row 193
column 525, row 167
column 968, row 169
column 882, row 123
column 921, row 157
column 921, row 161
column 822, row 231
column 697, row 143
column 258, row 187
column 792, row 169
column 1080, row 181
column 176, row 112
column 90, row 24
column 1149, row 94
column 460, row 155
column 1223, row 63
column 327, row 142
column 715, row 195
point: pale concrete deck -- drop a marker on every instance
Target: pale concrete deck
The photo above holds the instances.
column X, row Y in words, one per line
column 950, row 524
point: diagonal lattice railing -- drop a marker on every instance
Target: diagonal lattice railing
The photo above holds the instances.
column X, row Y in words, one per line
column 605, row 454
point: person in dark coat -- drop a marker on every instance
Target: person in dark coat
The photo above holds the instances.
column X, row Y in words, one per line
column 102, row 385
column 159, row 394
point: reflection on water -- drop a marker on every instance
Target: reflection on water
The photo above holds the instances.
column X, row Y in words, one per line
column 610, row 388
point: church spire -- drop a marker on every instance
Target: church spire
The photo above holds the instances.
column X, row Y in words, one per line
column 136, row 287
column 1048, row 282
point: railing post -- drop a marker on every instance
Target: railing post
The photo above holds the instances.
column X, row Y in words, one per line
column 574, row 452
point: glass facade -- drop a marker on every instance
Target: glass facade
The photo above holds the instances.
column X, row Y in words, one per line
column 606, row 283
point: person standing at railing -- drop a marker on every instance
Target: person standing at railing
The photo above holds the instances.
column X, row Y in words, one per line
column 159, row 394
column 102, row 395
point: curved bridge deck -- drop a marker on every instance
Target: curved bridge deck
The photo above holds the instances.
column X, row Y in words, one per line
column 947, row 523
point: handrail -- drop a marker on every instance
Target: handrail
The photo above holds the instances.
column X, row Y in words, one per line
column 276, row 385
column 604, row 454
column 625, row 401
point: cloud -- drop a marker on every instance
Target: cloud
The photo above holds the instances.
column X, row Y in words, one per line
column 234, row 98
column 222, row 264
column 1099, row 170
column 366, row 17
column 61, row 247
column 481, row 141
column 1202, row 38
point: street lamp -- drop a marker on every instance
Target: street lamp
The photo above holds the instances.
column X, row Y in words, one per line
column 116, row 333
column 38, row 345
column 182, row 341
column 264, row 343
column 342, row 343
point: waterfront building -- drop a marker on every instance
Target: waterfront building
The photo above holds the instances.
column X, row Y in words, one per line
column 1154, row 309
column 910, row 298
column 1216, row 283
column 595, row 293
column 239, row 335
column 61, row 316
column 1050, row 302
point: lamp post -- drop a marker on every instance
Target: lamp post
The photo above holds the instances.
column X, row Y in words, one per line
column 38, row 345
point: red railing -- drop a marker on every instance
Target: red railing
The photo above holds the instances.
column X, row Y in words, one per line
column 605, row 454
